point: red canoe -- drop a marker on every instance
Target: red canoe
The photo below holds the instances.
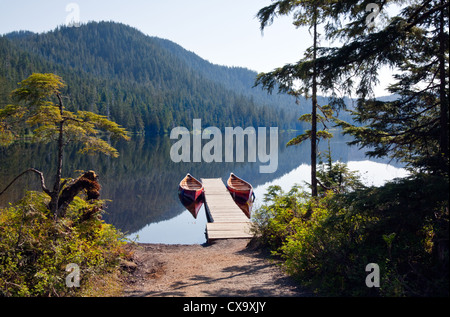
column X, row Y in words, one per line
column 239, row 188
column 242, row 193
column 190, row 187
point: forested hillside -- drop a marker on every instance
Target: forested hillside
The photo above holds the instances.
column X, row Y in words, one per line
column 143, row 83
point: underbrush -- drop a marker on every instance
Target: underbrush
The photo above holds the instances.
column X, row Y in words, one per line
column 38, row 254
column 327, row 242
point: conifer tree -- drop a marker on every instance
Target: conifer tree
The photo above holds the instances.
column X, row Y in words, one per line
column 414, row 126
column 311, row 14
column 40, row 107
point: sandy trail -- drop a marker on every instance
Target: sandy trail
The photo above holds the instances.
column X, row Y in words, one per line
column 224, row 268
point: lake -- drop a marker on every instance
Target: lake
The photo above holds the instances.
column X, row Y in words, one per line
column 142, row 183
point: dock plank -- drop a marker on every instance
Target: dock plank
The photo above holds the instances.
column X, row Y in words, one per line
column 227, row 220
column 230, row 230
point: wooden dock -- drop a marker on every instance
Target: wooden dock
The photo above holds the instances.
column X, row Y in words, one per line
column 226, row 219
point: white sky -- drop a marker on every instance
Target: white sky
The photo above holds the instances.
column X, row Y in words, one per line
column 224, row 32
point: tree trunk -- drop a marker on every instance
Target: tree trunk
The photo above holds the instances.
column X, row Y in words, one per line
column 442, row 95
column 57, row 185
column 314, row 118
column 88, row 181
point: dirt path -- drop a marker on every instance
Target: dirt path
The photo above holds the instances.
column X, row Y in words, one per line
column 225, row 268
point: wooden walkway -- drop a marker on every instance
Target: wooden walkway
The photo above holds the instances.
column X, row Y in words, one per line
column 226, row 219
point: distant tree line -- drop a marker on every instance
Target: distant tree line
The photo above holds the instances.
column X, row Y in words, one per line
column 143, row 83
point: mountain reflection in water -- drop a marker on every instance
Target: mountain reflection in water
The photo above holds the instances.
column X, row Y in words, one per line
column 142, row 183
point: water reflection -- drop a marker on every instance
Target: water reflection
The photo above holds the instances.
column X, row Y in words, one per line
column 142, row 183
column 182, row 229
column 246, row 207
column 372, row 174
column 193, row 206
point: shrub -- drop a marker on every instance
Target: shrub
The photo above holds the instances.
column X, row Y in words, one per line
column 327, row 243
column 35, row 249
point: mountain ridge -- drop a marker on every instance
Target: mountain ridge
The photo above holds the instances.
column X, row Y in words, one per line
column 144, row 83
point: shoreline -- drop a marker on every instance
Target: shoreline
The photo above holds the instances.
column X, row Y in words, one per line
column 232, row 268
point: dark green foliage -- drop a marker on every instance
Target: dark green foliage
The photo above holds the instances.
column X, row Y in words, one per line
column 409, row 235
column 402, row 226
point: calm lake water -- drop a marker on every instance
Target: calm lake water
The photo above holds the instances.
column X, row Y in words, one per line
column 142, row 183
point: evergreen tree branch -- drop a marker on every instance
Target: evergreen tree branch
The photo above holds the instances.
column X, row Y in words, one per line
column 41, row 177
column 424, row 16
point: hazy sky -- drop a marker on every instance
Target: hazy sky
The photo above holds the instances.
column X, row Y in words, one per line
column 224, row 32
